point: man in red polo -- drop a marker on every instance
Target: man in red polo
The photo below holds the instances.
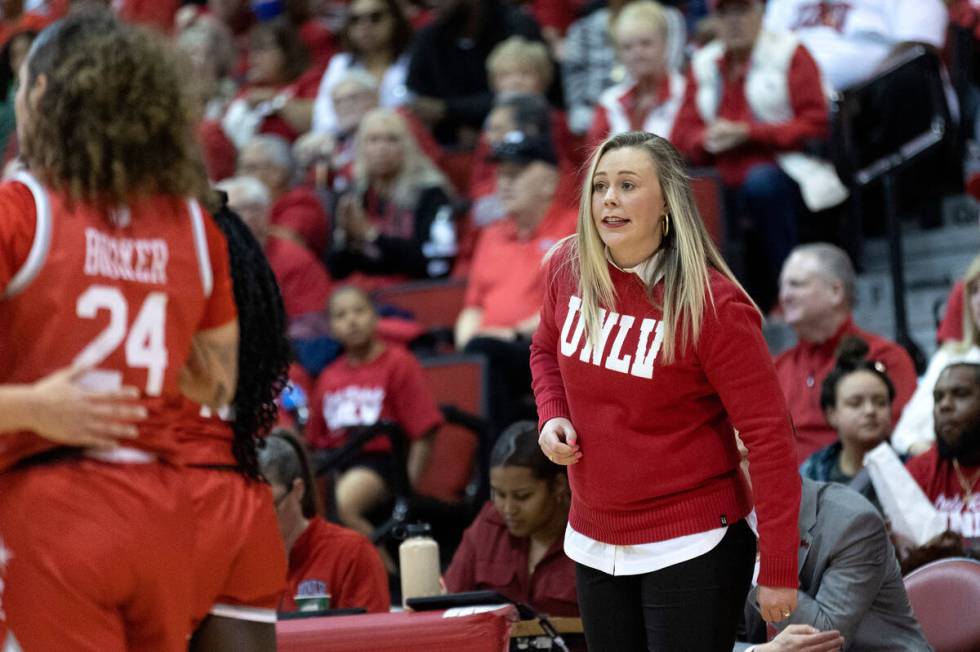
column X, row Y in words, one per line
column 503, row 296
column 817, row 287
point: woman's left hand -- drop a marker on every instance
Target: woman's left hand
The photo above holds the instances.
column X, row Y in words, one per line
column 776, row 603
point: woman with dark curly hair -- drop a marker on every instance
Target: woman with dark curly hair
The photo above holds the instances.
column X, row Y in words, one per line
column 107, row 263
column 240, row 563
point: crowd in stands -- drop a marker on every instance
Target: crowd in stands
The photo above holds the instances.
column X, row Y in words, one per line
column 370, row 144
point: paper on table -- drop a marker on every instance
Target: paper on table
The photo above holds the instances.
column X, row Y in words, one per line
column 912, row 516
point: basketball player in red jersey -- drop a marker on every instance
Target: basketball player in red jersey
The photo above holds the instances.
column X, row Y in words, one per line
column 105, row 261
column 240, row 563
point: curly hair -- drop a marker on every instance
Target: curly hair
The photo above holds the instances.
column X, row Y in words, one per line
column 263, row 349
column 115, row 121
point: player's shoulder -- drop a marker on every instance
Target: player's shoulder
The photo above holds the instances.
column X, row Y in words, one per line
column 16, row 197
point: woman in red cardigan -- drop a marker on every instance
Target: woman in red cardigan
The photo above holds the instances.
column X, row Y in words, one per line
column 649, row 356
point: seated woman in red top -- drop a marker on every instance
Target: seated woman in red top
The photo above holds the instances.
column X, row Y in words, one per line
column 514, row 546
column 281, row 85
column 323, row 557
column 371, row 382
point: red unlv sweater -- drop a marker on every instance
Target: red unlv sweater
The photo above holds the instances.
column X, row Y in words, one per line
column 659, row 458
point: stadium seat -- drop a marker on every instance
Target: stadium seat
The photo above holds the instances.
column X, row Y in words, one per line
column 434, row 304
column 706, row 187
column 944, row 596
column 458, row 383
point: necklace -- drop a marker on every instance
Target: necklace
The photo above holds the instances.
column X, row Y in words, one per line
column 966, row 486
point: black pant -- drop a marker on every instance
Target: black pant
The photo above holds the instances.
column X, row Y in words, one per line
column 691, row 606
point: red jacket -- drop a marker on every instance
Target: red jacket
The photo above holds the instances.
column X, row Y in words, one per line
column 491, row 559
column 659, row 454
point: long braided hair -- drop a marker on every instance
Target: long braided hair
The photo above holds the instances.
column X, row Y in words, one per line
column 263, row 349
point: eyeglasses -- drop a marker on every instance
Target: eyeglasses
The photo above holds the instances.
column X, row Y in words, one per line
column 374, row 17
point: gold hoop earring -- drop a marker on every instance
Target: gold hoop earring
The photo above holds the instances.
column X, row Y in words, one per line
column 666, row 224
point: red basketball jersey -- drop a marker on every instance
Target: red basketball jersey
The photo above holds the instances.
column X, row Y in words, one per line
column 204, row 436
column 124, row 293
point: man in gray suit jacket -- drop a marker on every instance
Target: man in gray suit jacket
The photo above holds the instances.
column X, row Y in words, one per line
column 850, row 580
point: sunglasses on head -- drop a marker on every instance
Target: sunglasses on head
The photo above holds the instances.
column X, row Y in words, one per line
column 373, row 17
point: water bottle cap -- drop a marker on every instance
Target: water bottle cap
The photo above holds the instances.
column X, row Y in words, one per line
column 417, row 530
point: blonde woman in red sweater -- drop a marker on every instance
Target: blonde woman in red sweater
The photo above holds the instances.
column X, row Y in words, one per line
column 649, row 356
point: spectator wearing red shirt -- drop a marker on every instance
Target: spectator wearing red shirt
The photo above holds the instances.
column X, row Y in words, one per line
column 514, row 546
column 648, row 100
column 817, row 288
column 371, row 382
column 754, row 101
column 323, row 557
column 949, row 473
column 503, row 294
column 303, row 281
column 295, row 209
column 280, row 86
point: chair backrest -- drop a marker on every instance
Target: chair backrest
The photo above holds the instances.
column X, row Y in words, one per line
column 435, row 304
column 460, row 381
column 945, row 595
column 706, row 187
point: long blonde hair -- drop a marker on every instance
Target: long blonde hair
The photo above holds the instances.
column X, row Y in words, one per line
column 688, row 252
column 417, row 172
column 971, row 330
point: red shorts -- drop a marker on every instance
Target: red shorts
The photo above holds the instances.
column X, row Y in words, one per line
column 240, row 561
column 99, row 556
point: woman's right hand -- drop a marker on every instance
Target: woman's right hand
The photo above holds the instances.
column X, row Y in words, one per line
column 63, row 412
column 559, row 441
